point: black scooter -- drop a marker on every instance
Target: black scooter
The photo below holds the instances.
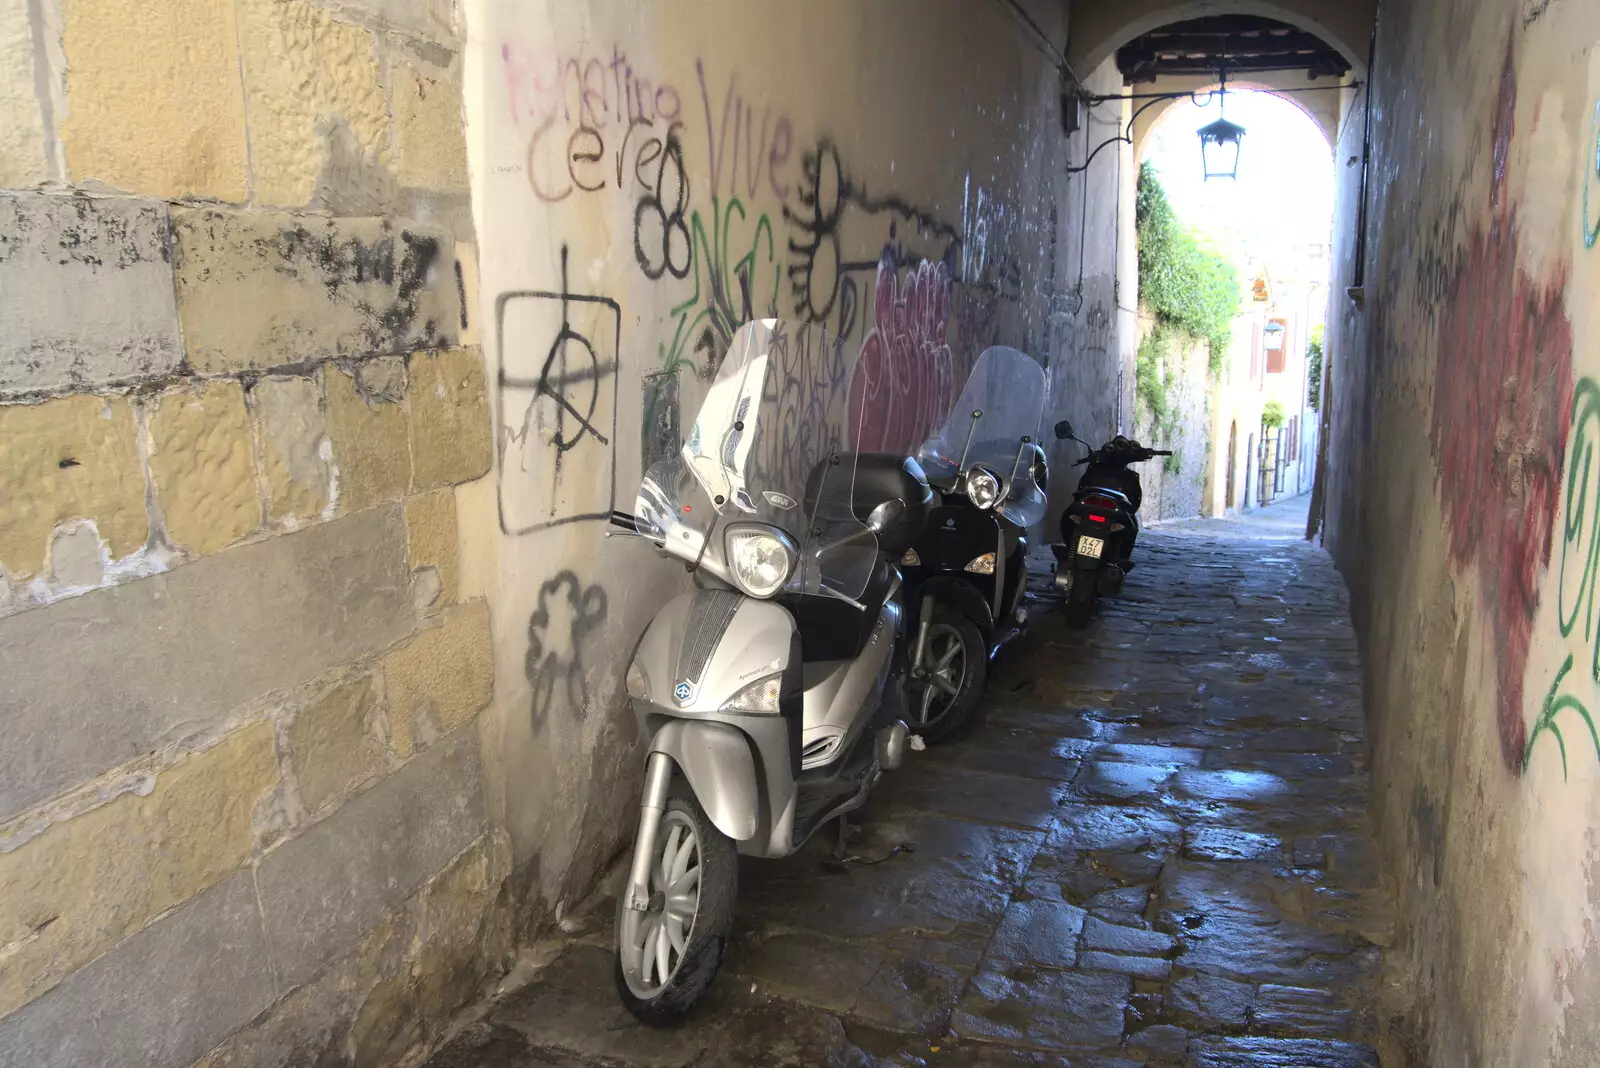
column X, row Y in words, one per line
column 966, row 575
column 1099, row 528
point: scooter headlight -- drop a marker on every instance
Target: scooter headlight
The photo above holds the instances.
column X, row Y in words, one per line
column 983, row 488
column 760, row 559
column 759, row 696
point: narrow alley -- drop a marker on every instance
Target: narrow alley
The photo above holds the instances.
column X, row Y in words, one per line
column 1153, row 852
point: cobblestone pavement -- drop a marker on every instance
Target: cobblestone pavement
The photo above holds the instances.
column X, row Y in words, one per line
column 1153, row 851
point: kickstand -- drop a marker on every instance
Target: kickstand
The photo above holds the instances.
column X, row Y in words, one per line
column 841, row 848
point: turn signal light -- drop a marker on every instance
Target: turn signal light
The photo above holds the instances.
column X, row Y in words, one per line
column 981, row 565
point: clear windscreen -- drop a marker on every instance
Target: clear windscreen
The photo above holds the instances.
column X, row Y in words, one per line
column 771, row 445
column 997, row 414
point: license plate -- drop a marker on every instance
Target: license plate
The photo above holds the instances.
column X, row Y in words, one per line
column 1090, row 547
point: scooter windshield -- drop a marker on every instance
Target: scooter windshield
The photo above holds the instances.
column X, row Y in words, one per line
column 771, row 446
column 999, row 410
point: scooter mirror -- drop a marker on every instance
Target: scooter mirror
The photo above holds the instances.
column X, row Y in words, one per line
column 886, row 515
column 1064, row 431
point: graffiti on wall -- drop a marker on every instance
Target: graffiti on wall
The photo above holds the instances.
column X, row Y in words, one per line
column 564, row 620
column 1502, row 384
column 1591, row 177
column 1579, row 570
column 595, row 123
column 558, row 401
column 905, row 377
column 823, row 278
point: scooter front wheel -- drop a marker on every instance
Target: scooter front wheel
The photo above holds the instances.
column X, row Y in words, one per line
column 956, row 662
column 668, row 953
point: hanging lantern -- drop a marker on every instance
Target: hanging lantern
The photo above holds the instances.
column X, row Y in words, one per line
column 1219, row 148
column 1272, row 336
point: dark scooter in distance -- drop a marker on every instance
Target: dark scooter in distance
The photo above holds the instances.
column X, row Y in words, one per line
column 1100, row 526
column 966, row 575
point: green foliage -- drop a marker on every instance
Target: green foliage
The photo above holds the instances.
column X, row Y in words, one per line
column 1185, row 285
column 1150, row 383
column 1314, row 368
column 1272, row 415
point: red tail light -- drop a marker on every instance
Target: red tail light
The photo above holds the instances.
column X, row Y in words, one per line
column 1102, row 502
column 1097, row 518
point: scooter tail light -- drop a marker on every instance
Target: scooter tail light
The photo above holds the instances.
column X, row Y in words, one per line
column 1096, row 518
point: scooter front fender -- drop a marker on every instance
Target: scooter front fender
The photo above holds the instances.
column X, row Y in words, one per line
column 716, row 760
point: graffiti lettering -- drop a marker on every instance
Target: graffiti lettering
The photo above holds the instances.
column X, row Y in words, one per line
column 577, row 87
column 761, row 148
column 820, row 276
column 905, row 379
column 660, row 236
column 1579, row 570
column 737, row 259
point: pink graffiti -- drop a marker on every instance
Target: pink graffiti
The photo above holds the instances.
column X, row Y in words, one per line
column 589, row 90
column 1501, row 412
column 905, row 379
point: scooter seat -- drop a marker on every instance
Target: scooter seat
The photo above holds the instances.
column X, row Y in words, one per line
column 879, row 477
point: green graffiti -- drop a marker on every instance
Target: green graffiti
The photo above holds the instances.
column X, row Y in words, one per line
column 1591, row 171
column 726, row 289
column 1546, row 723
column 1579, row 569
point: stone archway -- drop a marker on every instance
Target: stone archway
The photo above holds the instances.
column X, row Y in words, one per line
column 1322, row 108
column 1099, row 27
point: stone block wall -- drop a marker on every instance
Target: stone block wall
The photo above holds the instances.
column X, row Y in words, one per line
column 243, row 420
column 1174, row 488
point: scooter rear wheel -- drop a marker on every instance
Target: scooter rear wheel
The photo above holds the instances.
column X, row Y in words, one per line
column 667, row 955
column 1080, row 599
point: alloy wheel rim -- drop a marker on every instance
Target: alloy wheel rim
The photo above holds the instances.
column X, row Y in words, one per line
column 654, row 940
column 946, row 671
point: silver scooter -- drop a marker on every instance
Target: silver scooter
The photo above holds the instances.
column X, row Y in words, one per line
column 770, row 694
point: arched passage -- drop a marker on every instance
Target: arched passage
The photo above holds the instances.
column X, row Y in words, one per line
column 1100, row 27
column 1321, row 108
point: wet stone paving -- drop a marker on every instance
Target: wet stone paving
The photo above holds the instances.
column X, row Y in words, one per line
column 1153, row 850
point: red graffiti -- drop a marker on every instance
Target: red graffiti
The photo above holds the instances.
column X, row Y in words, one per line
column 1502, row 405
column 904, row 383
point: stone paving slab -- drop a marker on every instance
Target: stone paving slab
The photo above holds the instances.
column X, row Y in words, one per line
column 1152, row 851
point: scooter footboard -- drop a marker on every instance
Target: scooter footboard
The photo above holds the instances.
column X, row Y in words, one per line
column 716, row 760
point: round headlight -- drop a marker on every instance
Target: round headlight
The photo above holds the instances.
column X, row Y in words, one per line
column 982, row 487
column 760, row 559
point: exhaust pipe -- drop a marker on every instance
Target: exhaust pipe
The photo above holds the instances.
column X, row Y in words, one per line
column 892, row 741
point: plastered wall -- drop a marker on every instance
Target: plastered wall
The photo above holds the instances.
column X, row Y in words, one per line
column 646, row 178
column 1462, row 508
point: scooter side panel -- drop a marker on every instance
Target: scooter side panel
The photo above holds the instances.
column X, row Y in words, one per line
column 837, row 690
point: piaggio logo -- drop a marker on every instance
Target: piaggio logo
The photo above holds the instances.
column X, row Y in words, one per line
column 683, row 692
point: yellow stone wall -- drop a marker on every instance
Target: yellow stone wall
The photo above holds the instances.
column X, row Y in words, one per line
column 246, row 397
